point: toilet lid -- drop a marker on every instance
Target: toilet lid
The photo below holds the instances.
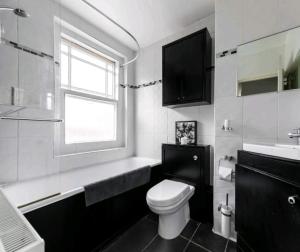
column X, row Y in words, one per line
column 167, row 193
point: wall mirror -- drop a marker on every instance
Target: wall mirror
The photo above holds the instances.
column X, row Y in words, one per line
column 271, row 64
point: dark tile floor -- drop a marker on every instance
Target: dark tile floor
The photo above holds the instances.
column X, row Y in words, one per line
column 195, row 237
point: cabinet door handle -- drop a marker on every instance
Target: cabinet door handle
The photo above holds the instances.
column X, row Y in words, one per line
column 195, row 157
column 292, row 199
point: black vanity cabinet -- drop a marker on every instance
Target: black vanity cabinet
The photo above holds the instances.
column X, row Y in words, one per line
column 187, row 70
column 267, row 203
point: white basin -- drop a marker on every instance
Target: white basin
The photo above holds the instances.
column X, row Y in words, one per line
column 279, row 150
column 288, row 146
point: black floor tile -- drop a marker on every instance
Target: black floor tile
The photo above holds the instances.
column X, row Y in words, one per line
column 162, row 245
column 189, row 230
column 194, row 248
column 153, row 217
column 136, row 238
column 206, row 238
column 231, row 247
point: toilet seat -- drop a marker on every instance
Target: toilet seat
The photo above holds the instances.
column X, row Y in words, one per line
column 167, row 193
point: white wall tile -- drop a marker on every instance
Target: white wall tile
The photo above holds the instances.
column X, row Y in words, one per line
column 229, row 24
column 225, row 77
column 36, row 77
column 9, row 21
column 8, row 73
column 260, row 19
column 8, row 128
column 36, row 157
column 260, row 116
column 288, row 14
column 9, row 160
column 288, row 114
column 259, row 140
column 204, row 115
column 230, row 108
column 227, row 146
column 37, row 32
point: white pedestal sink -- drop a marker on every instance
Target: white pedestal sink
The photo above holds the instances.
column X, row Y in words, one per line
column 279, row 150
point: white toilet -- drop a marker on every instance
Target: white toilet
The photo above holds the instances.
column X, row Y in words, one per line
column 170, row 200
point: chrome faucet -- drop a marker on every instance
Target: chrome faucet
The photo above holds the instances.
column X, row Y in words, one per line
column 295, row 134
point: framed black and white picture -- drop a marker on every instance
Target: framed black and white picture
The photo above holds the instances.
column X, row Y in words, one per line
column 186, row 132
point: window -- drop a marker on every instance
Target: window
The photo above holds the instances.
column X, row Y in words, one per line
column 89, row 120
column 86, row 71
column 89, row 84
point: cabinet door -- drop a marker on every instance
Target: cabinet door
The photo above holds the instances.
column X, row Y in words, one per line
column 172, row 74
column 264, row 217
column 194, row 73
column 184, row 163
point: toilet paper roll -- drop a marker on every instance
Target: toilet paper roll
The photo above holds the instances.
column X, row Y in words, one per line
column 225, row 173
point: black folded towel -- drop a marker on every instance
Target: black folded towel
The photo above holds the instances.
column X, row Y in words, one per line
column 110, row 187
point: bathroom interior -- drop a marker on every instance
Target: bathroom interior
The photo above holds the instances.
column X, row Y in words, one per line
column 142, row 125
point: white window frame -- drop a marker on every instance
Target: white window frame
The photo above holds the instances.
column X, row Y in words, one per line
column 118, row 99
column 91, row 52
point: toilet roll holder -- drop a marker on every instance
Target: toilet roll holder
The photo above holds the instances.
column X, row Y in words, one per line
column 227, row 158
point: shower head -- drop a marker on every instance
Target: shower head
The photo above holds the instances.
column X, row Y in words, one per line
column 21, row 13
column 17, row 11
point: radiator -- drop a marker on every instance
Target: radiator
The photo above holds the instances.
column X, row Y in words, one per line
column 16, row 233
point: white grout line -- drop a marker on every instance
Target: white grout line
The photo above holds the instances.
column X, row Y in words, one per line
column 198, row 245
column 149, row 243
column 226, row 245
column 184, row 237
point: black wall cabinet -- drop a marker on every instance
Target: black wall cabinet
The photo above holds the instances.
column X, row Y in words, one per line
column 187, row 70
column 265, row 220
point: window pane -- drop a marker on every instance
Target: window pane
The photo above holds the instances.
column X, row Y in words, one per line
column 87, row 77
column 64, row 48
column 88, row 120
column 110, row 84
column 110, row 67
column 64, row 70
column 88, row 57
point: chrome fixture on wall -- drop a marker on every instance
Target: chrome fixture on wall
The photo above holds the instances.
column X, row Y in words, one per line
column 226, row 125
column 295, row 134
column 19, row 12
column 121, row 27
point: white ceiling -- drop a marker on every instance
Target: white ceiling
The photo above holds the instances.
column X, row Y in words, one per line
column 148, row 20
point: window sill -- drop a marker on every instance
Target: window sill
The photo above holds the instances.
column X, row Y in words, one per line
column 90, row 152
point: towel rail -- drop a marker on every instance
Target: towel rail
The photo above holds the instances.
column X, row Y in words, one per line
column 30, row 119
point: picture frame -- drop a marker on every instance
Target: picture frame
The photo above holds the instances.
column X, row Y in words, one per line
column 186, row 132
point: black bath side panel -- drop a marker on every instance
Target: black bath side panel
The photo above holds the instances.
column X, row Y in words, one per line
column 70, row 226
column 264, row 218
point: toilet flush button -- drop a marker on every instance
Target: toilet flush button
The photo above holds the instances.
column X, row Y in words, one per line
column 195, row 157
column 292, row 199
